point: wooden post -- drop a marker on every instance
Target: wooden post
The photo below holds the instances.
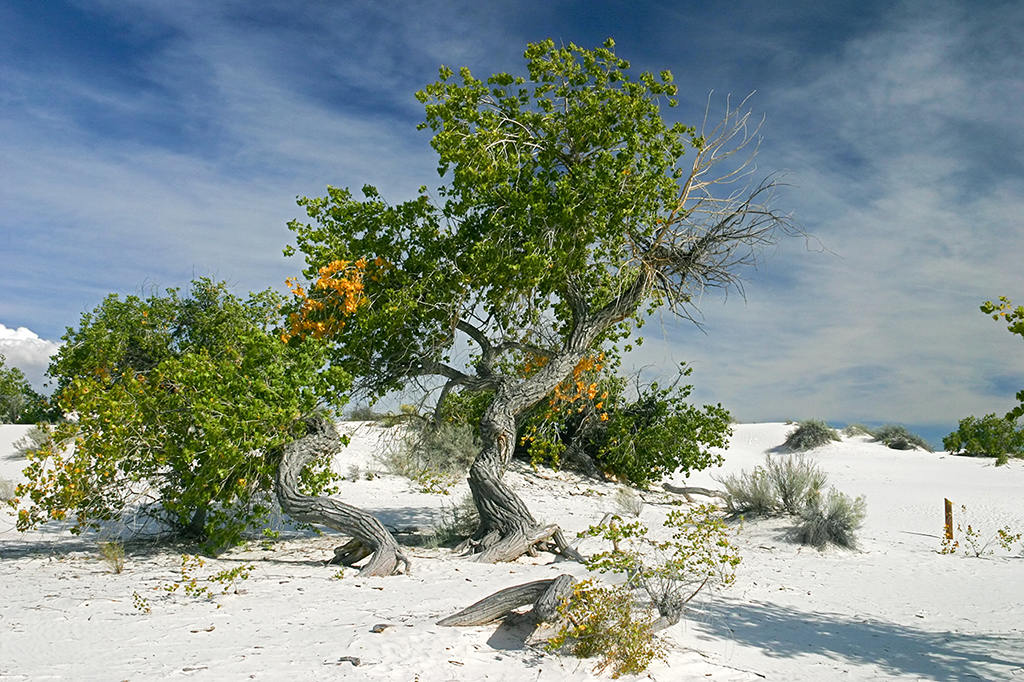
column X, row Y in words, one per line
column 949, row 520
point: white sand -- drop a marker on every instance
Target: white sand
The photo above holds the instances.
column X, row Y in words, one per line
column 896, row 609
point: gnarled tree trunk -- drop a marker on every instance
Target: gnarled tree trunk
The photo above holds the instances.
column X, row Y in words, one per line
column 369, row 536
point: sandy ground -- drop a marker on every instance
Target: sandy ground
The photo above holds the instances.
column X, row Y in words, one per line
column 895, row 609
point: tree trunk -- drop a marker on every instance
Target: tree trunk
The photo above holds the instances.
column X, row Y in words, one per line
column 370, row 537
column 545, row 595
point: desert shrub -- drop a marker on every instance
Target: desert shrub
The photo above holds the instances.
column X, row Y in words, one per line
column 782, row 485
column 831, row 519
column 640, row 440
column 810, row 434
column 455, row 523
column 604, row 621
column 851, row 430
column 435, row 455
column 19, row 403
column 752, row 493
column 363, row 413
column 610, row 621
column 898, row 437
column 7, row 489
column 182, row 405
column 112, row 553
column 990, row 436
column 796, row 480
column 34, row 439
column 629, row 502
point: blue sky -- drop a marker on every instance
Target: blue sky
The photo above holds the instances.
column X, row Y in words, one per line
column 146, row 142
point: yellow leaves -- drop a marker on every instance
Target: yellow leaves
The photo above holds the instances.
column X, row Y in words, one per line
column 336, row 293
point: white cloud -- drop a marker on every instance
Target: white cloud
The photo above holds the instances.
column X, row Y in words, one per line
column 22, row 348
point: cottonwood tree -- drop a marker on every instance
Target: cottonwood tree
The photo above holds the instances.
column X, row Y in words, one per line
column 571, row 209
column 180, row 407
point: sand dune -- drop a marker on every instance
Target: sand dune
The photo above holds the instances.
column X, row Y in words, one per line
column 895, row 609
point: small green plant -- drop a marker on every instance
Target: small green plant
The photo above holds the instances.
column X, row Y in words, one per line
column 338, row 575
column 190, row 583
column 977, row 543
column 140, row 603
column 604, row 621
column 810, row 434
column 833, row 519
column 7, row 490
column 608, row 621
column 629, row 502
column 113, row 555
column 268, row 538
column 898, row 437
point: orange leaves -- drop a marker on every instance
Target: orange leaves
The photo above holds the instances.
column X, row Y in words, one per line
column 336, row 294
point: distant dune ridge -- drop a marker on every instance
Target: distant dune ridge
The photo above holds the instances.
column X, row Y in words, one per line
column 894, row 609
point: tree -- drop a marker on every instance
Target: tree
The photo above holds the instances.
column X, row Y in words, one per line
column 1014, row 318
column 179, row 409
column 568, row 214
column 19, row 403
column 993, row 436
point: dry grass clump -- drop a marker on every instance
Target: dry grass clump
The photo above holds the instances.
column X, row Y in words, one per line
column 832, row 520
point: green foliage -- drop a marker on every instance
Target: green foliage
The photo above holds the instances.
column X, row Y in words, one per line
column 19, row 403
column 639, row 440
column 831, row 519
column 179, row 401
column 898, row 437
column 605, row 621
column 784, row 485
column 193, row 586
column 1014, row 318
column 810, row 434
column 990, row 436
column 976, row 541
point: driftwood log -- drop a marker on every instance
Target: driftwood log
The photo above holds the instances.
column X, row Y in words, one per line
column 687, row 491
column 369, row 536
column 545, row 595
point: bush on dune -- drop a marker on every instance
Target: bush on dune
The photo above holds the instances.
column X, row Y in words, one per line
column 898, row 437
column 793, row 485
column 810, row 434
column 990, row 436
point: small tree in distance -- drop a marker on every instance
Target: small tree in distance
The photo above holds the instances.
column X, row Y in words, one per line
column 568, row 215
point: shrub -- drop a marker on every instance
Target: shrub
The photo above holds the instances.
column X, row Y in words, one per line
column 609, row 621
column 182, row 404
column 810, row 434
column 637, row 440
column 7, row 489
column 833, row 519
column 897, row 437
column 783, row 485
column 113, row 555
column 433, row 455
column 990, row 436
column 752, row 493
column 851, row 430
column 455, row 523
column 629, row 502
column 797, row 481
column 603, row 621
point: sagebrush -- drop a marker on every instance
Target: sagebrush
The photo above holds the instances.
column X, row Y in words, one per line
column 810, row 434
column 831, row 519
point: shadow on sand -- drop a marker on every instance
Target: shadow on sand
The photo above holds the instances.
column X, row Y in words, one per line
column 783, row 632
